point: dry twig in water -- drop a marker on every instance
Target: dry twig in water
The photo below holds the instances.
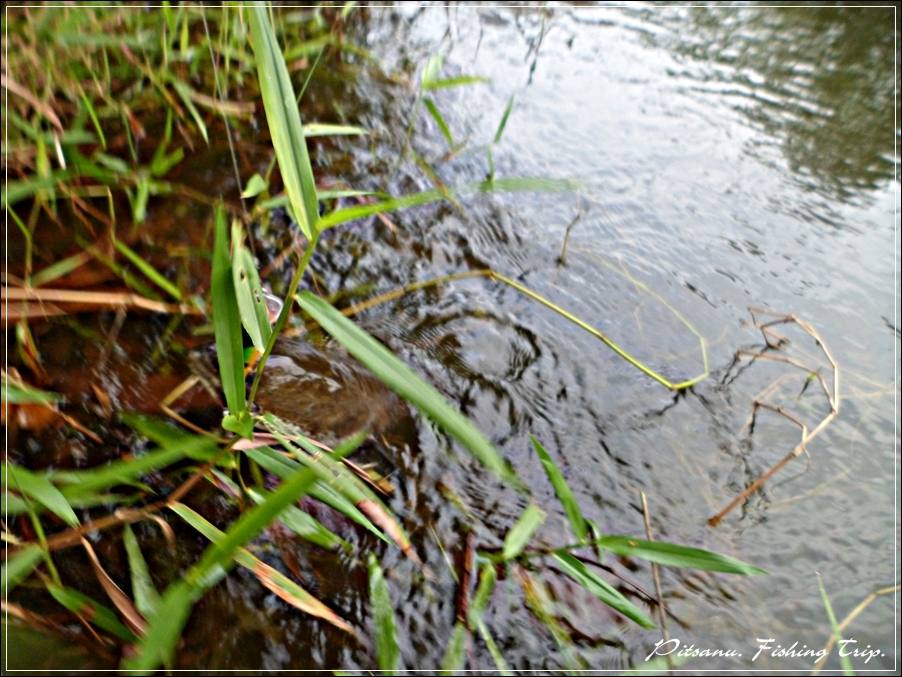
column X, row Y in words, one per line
column 774, row 341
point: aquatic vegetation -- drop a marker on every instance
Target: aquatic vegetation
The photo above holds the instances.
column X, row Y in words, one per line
column 258, row 464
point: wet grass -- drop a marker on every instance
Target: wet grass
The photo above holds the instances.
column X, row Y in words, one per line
column 97, row 137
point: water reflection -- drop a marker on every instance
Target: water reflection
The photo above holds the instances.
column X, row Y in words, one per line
column 819, row 81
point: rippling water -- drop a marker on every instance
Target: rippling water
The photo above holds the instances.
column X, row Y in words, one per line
column 728, row 157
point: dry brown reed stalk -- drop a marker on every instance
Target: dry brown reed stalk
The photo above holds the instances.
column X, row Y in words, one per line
column 101, row 299
column 656, row 575
column 774, row 340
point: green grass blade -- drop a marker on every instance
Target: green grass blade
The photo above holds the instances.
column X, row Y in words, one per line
column 149, row 271
column 673, row 555
column 146, row 597
column 18, row 567
column 249, row 293
column 406, row 383
column 95, row 612
column 512, row 184
column 601, row 589
column 57, row 270
column 387, row 651
column 94, row 119
column 519, row 534
column 271, row 461
column 226, row 320
column 455, row 654
column 431, row 70
column 563, row 492
column 184, row 91
column 487, row 579
column 457, row 81
column 255, row 185
column 293, row 518
column 275, row 581
column 338, row 478
column 40, row 489
column 347, row 214
column 503, row 123
column 439, row 120
column 78, row 483
column 326, row 129
column 844, row 658
column 165, row 628
column 500, row 664
column 284, row 121
column 304, row 525
column 20, row 393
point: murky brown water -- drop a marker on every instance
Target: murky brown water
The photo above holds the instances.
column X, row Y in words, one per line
column 729, row 157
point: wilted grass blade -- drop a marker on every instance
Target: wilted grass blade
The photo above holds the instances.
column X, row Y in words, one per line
column 519, row 534
column 673, row 555
column 562, row 490
column 40, row 489
column 249, row 293
column 274, row 581
column 541, row 605
column 18, row 567
column 165, row 627
column 227, row 321
column 405, row 382
column 844, row 659
column 147, row 599
column 95, row 612
column 387, row 652
column 123, row 603
column 284, row 121
column 601, row 589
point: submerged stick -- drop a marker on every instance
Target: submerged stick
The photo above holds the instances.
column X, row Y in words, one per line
column 831, row 395
column 656, row 575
